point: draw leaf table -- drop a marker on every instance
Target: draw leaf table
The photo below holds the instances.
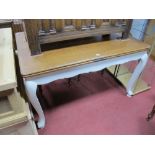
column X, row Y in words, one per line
column 71, row 61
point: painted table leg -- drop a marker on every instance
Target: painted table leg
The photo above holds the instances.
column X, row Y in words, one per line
column 31, row 88
column 135, row 75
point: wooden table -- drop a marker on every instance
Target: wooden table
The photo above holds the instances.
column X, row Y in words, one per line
column 71, row 61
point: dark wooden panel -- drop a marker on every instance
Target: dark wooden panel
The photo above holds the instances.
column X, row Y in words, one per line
column 80, row 34
column 45, row 25
column 59, row 24
column 98, row 22
column 32, row 27
column 68, row 22
column 52, row 30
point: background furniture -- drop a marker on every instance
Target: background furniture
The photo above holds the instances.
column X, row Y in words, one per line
column 149, row 36
column 15, row 115
column 43, row 31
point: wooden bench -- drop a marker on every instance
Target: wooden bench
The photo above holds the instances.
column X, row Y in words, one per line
column 71, row 61
column 43, row 31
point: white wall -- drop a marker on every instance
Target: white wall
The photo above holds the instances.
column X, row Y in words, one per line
column 138, row 28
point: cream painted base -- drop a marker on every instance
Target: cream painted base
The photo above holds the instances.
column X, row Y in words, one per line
column 31, row 83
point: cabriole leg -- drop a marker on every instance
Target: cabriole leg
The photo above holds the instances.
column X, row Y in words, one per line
column 31, row 88
column 136, row 74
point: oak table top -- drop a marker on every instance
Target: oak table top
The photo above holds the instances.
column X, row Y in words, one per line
column 58, row 59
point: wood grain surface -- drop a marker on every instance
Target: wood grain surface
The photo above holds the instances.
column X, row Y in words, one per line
column 7, row 64
column 72, row 56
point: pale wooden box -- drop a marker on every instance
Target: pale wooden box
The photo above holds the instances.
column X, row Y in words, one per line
column 15, row 116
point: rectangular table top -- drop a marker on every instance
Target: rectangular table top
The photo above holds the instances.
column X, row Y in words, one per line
column 7, row 64
column 57, row 59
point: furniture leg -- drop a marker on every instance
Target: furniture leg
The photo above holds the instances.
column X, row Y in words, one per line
column 135, row 75
column 31, row 88
column 151, row 114
column 69, row 82
column 117, row 70
column 78, row 78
